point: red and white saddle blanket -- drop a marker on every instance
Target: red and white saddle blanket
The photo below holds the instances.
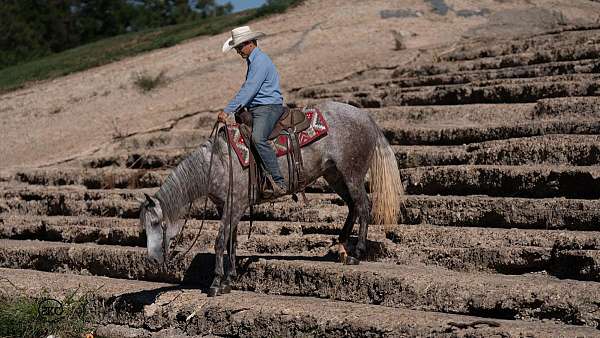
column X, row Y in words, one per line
column 318, row 128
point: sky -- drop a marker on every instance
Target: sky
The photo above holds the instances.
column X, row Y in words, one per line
column 240, row 5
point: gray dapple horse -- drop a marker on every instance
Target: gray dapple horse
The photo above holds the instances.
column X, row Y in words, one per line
column 353, row 145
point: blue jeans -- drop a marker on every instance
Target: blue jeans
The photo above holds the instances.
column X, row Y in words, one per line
column 264, row 119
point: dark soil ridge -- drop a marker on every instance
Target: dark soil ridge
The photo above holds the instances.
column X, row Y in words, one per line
column 153, row 307
column 534, row 181
column 417, row 288
column 574, row 150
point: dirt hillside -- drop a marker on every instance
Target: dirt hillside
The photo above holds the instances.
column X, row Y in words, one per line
column 317, row 42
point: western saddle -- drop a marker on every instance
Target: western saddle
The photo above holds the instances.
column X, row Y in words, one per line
column 292, row 118
column 291, row 123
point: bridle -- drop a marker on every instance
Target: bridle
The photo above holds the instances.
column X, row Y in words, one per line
column 169, row 248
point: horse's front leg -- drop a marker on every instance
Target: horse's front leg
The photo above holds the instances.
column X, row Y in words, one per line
column 218, row 287
column 231, row 274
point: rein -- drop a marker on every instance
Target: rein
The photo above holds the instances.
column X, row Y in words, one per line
column 179, row 237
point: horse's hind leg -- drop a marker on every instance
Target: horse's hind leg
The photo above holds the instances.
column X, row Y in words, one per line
column 335, row 180
column 359, row 194
column 358, row 205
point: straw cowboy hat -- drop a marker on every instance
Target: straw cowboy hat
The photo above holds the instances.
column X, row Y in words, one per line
column 240, row 35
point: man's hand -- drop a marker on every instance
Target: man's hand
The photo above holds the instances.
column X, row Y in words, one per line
column 224, row 118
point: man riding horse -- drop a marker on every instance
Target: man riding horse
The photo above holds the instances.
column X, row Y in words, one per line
column 261, row 95
column 353, row 146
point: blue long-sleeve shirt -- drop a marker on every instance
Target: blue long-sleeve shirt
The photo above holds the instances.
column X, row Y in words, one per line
column 261, row 86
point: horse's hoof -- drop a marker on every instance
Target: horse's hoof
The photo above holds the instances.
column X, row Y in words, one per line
column 343, row 258
column 214, row 291
column 351, row 261
column 225, row 289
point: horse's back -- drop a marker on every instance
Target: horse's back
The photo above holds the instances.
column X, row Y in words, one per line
column 352, row 137
column 348, row 122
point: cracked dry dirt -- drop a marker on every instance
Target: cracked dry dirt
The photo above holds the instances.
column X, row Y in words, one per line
column 490, row 106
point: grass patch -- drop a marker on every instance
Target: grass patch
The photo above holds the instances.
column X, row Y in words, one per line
column 126, row 45
column 21, row 317
column 146, row 82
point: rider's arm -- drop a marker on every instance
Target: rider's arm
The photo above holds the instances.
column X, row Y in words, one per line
column 257, row 73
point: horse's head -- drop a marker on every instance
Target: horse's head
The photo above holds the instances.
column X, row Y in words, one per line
column 158, row 234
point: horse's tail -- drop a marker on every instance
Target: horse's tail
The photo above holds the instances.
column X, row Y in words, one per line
column 386, row 185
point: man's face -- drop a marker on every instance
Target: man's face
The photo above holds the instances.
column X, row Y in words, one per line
column 244, row 49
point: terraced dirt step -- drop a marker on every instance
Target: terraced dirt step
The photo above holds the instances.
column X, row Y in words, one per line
column 425, row 288
column 451, row 134
column 518, row 66
column 470, row 211
column 145, row 159
column 504, row 259
column 574, row 38
column 484, row 71
column 498, row 91
column 155, row 307
column 554, row 151
column 107, row 178
column 567, row 254
column 422, row 235
column 501, row 212
column 536, row 181
column 125, row 203
column 462, row 249
column 511, row 62
column 531, row 181
column 174, row 139
column 486, row 114
column 20, row 226
column 451, row 125
column 575, row 150
column 578, row 150
column 127, row 232
column 103, row 178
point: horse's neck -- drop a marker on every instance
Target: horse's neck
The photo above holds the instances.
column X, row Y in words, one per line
column 185, row 184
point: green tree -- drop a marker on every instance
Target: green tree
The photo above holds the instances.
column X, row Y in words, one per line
column 35, row 28
column 208, row 8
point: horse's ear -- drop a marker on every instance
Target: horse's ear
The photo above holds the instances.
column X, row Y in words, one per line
column 150, row 201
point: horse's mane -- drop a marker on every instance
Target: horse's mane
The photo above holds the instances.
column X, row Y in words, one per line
column 186, row 183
